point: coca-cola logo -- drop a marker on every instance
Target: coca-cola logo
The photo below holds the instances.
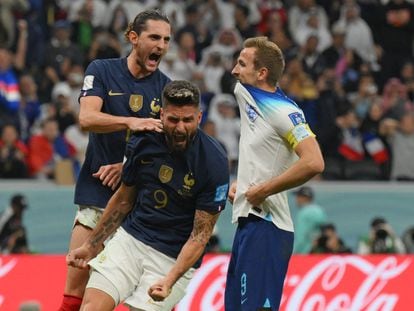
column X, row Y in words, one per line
column 340, row 283
column 333, row 283
column 5, row 268
column 206, row 290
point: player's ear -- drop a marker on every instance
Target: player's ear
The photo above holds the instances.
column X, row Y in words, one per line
column 133, row 37
column 262, row 74
column 161, row 113
column 200, row 115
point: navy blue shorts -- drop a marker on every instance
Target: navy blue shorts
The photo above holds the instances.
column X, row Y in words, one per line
column 258, row 265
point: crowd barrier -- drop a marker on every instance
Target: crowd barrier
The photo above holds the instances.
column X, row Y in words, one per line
column 313, row 283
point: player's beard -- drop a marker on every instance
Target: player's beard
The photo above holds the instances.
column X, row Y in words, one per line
column 179, row 142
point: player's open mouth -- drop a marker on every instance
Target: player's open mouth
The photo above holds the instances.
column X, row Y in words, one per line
column 180, row 138
column 154, row 57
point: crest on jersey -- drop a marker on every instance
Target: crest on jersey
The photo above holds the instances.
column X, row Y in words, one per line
column 155, row 106
column 189, row 182
column 165, row 173
column 251, row 113
column 135, row 102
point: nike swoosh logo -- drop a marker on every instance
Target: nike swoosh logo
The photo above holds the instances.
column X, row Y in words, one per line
column 243, row 301
column 146, row 162
column 110, row 93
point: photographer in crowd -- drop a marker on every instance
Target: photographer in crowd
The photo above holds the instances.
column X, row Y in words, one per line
column 329, row 242
column 381, row 239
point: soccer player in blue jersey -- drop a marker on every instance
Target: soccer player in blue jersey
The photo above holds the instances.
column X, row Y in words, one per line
column 119, row 96
column 174, row 186
column 278, row 151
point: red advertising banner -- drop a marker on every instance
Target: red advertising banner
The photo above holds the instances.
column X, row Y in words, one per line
column 313, row 283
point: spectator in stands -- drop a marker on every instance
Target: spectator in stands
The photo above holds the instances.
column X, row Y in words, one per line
column 13, row 154
column 78, row 139
column 395, row 26
column 313, row 27
column 407, row 77
column 8, row 11
column 308, row 220
column 380, row 240
column 181, row 63
column 331, row 104
column 64, row 113
column 46, row 148
column 312, row 61
column 329, row 242
column 60, row 55
column 395, row 100
column 104, row 45
column 222, row 112
column 400, row 135
column 408, row 240
column 332, row 54
column 299, row 13
column 195, row 25
column 97, row 10
column 30, row 105
column 242, row 23
column 358, row 35
column 117, row 26
column 13, row 238
column 9, row 88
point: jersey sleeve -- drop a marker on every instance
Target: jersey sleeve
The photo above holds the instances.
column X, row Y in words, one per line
column 92, row 83
column 214, row 196
column 290, row 123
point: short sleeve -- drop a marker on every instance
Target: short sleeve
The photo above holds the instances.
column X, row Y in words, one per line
column 214, row 196
column 92, row 82
column 290, row 123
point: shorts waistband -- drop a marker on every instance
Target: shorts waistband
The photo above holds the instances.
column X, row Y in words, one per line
column 250, row 218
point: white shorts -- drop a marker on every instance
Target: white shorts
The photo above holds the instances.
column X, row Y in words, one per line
column 88, row 216
column 127, row 268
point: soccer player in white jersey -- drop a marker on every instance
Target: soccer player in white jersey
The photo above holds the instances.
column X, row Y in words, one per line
column 278, row 151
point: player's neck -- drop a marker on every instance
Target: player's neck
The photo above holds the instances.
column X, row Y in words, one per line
column 136, row 69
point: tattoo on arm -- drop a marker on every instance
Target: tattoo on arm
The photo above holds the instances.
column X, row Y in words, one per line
column 107, row 228
column 203, row 226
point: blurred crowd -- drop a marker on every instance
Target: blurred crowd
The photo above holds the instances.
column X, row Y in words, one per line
column 349, row 66
column 315, row 233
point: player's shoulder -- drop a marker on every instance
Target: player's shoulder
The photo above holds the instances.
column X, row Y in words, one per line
column 104, row 65
column 211, row 147
column 140, row 138
column 158, row 75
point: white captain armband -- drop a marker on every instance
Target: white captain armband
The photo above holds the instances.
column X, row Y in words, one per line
column 298, row 133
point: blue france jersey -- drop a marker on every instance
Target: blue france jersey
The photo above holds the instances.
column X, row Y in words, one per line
column 171, row 187
column 122, row 95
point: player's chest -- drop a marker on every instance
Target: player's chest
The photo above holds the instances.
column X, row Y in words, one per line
column 135, row 99
column 177, row 178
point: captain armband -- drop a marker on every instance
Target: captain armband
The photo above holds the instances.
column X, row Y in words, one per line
column 298, row 133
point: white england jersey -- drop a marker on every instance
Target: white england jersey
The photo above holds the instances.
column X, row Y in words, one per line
column 271, row 127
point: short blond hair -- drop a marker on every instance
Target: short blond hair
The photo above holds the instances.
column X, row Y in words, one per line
column 267, row 55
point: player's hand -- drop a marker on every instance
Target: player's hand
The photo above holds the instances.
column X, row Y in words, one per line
column 255, row 195
column 159, row 291
column 232, row 191
column 79, row 257
column 145, row 124
column 110, row 175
